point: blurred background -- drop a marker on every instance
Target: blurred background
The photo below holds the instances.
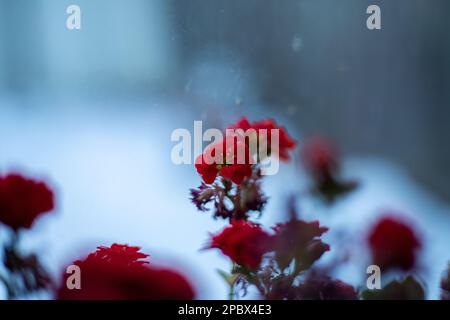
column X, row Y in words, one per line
column 92, row 111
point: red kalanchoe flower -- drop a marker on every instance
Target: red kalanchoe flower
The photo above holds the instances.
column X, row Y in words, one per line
column 243, row 242
column 320, row 156
column 106, row 276
column 229, row 158
column 299, row 240
column 393, row 244
column 22, row 200
column 120, row 254
column 286, row 143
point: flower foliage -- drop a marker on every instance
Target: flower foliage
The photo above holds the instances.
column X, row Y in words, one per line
column 229, row 201
column 324, row 288
column 408, row 288
column 22, row 200
column 300, row 241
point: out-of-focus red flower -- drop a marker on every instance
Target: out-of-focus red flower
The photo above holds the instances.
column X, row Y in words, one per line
column 286, row 143
column 243, row 242
column 299, row 240
column 22, row 200
column 393, row 244
column 107, row 276
column 319, row 156
column 120, row 254
column 230, row 158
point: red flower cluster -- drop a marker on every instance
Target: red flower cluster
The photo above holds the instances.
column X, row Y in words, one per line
column 286, row 143
column 229, row 158
column 22, row 200
column 393, row 244
column 118, row 273
column 233, row 158
column 243, row 242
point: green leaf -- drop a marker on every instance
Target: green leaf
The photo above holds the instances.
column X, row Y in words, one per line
column 229, row 278
column 408, row 289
